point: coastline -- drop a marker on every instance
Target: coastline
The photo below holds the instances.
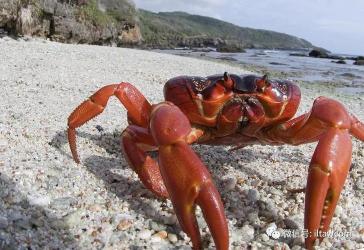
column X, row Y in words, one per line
column 100, row 203
column 281, row 65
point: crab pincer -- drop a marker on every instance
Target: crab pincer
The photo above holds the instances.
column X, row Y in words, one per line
column 186, row 178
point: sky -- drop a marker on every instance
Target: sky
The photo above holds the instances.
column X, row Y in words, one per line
column 336, row 25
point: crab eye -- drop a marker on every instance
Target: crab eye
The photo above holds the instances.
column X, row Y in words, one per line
column 262, row 83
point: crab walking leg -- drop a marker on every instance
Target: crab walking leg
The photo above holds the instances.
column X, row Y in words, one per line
column 135, row 141
column 328, row 170
column 331, row 125
column 136, row 104
column 186, row 178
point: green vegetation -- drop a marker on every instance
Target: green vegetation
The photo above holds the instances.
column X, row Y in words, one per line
column 119, row 12
column 170, row 29
column 91, row 11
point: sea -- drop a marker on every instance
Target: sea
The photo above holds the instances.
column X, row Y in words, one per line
column 348, row 77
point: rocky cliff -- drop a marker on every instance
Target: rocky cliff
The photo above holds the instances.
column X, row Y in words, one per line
column 111, row 22
column 179, row 29
column 119, row 23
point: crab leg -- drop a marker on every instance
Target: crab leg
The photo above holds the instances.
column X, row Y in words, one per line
column 327, row 174
column 331, row 125
column 136, row 104
column 135, row 141
column 186, row 178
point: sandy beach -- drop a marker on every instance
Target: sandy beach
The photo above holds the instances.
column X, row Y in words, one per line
column 50, row 202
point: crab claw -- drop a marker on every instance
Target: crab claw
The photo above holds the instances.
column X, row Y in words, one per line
column 328, row 171
column 186, row 178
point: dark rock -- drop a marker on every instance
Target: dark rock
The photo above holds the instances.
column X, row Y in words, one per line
column 340, row 62
column 277, row 63
column 298, row 54
column 334, row 57
column 359, row 62
column 318, row 53
column 348, row 75
column 321, row 53
column 99, row 128
column 230, row 48
column 208, row 49
column 228, row 58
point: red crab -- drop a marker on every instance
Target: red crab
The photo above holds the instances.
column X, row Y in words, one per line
column 226, row 110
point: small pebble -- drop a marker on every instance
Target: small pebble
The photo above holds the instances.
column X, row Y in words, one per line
column 170, row 220
column 326, row 243
column 145, row 234
column 155, row 239
column 298, row 240
column 156, row 226
column 3, row 222
column 293, row 222
column 73, row 219
column 264, row 237
column 124, row 225
column 36, row 222
column 270, row 210
column 349, row 245
column 338, row 210
column 172, row 238
column 94, row 233
column 253, row 195
column 248, row 233
column 240, row 180
column 253, row 217
column 230, row 183
column 162, row 234
column 95, row 208
column 275, row 191
column 359, row 183
column 99, row 128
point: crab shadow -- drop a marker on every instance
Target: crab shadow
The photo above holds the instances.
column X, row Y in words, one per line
column 110, row 142
column 124, row 186
column 25, row 225
column 127, row 189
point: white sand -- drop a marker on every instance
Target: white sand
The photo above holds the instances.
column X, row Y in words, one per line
column 48, row 201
